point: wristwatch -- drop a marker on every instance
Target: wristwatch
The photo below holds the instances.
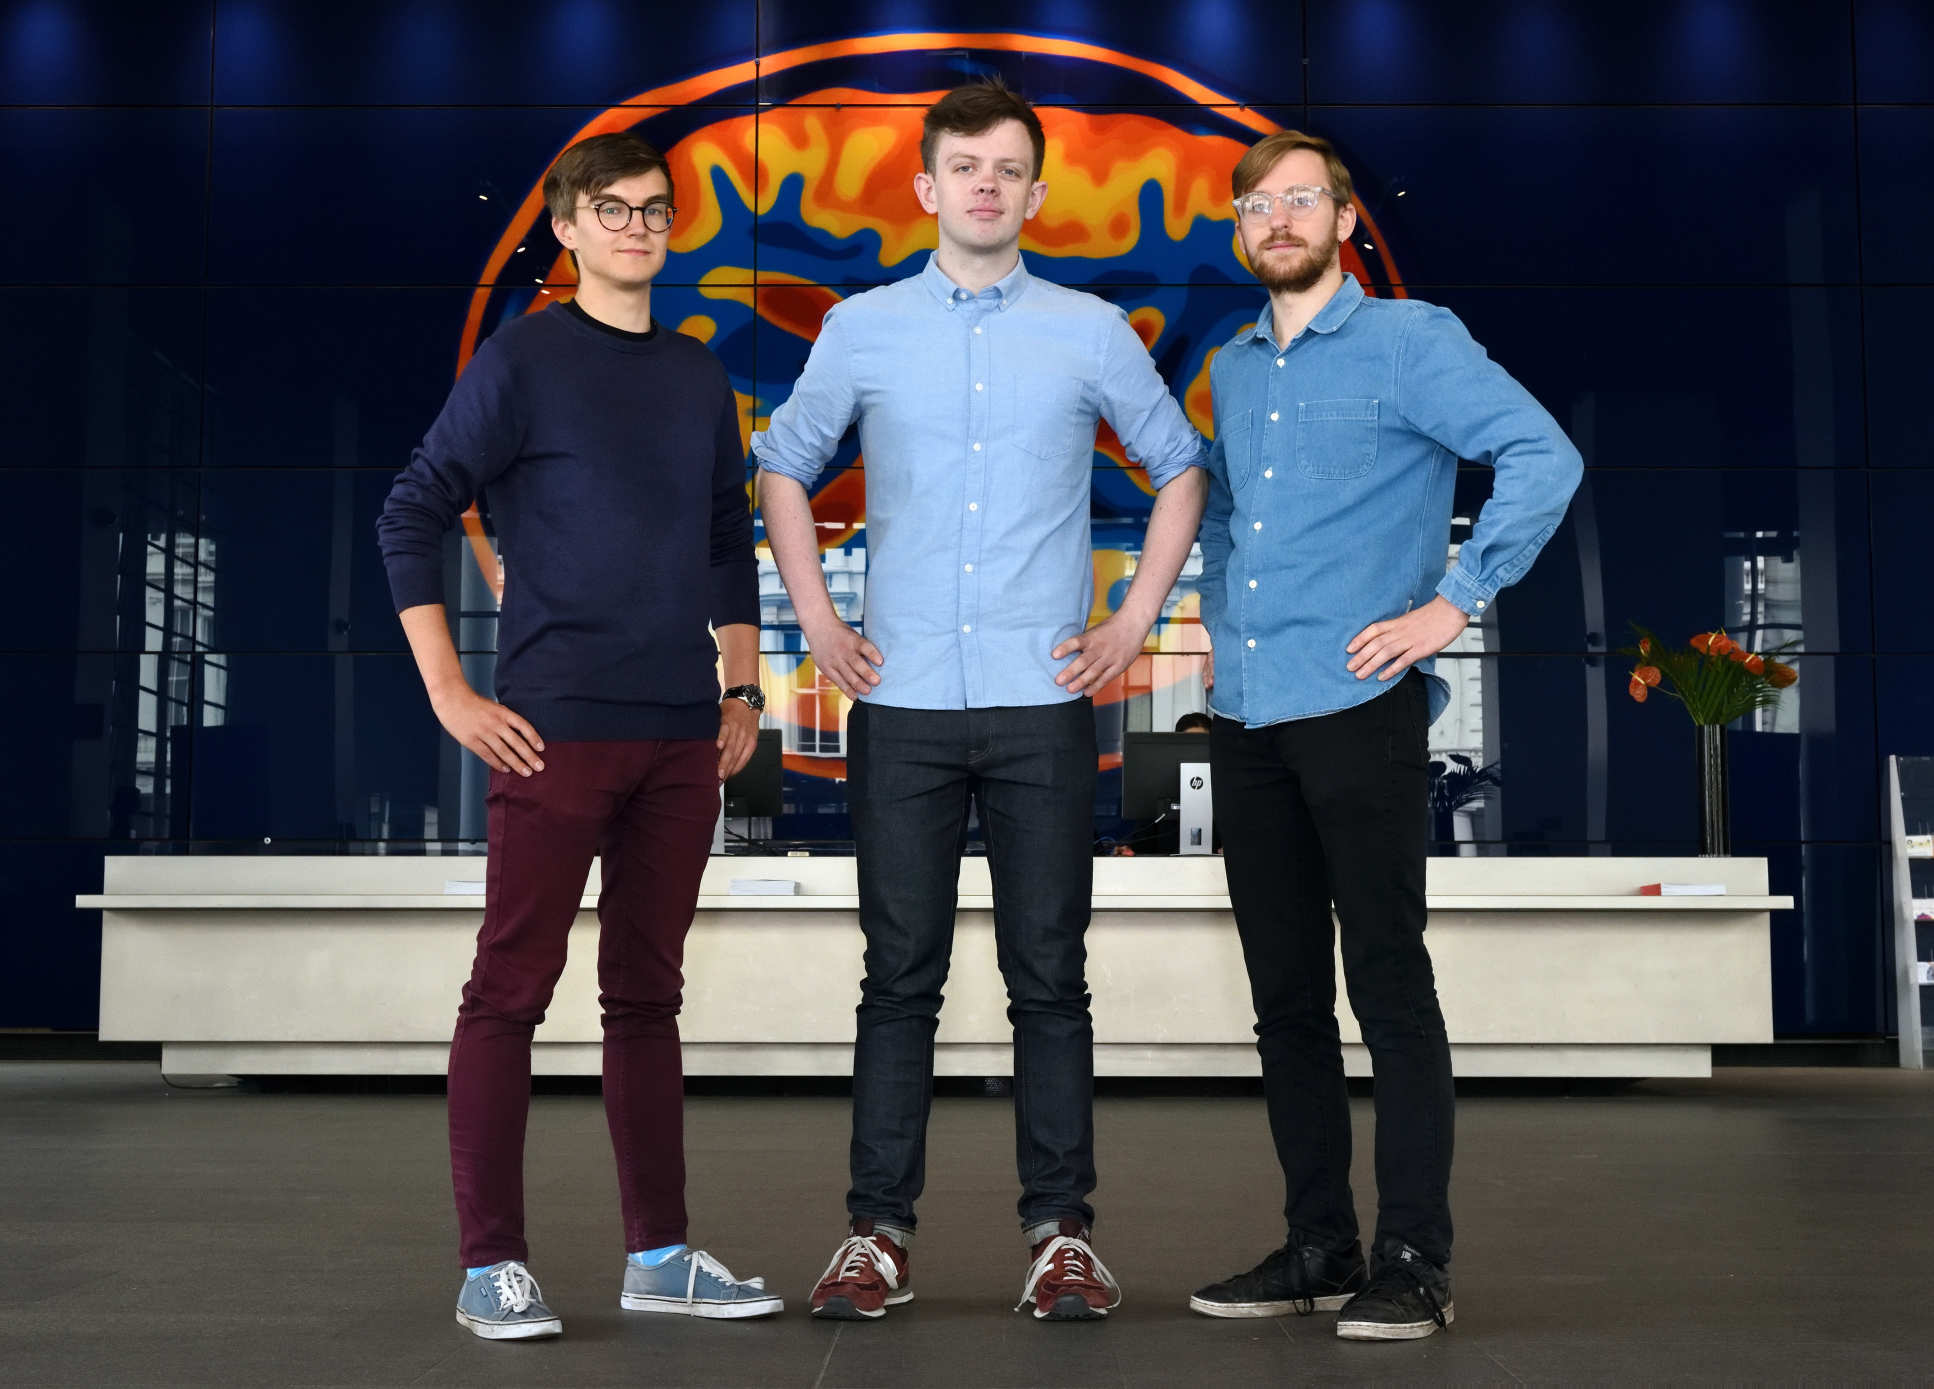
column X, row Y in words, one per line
column 754, row 697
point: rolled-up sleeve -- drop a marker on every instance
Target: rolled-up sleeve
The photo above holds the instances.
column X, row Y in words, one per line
column 1138, row 405
column 1449, row 389
column 805, row 432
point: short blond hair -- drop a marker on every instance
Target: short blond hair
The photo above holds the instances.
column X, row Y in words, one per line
column 1263, row 155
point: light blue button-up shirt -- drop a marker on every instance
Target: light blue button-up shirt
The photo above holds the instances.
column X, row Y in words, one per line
column 977, row 429
column 1330, row 488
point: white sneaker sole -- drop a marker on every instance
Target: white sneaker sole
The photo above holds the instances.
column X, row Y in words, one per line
column 1263, row 1309
column 720, row 1311
column 510, row 1331
column 1386, row 1331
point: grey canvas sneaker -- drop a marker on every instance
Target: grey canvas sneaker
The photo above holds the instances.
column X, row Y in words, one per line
column 694, row 1284
column 503, row 1303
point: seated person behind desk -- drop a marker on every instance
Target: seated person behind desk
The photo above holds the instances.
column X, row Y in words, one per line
column 1163, row 835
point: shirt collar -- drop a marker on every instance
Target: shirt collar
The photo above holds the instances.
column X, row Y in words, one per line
column 1008, row 288
column 1328, row 319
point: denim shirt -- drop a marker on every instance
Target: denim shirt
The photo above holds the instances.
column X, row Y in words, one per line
column 977, row 432
column 1330, row 489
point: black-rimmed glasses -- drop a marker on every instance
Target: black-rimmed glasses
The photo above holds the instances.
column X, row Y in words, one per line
column 615, row 216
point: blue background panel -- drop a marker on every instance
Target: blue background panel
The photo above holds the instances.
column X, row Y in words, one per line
column 1495, row 52
column 1691, row 227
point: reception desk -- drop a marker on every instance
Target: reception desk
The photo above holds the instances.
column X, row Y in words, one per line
column 1546, row 967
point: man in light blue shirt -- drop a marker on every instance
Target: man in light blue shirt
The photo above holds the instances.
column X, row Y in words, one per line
column 1340, row 421
column 976, row 388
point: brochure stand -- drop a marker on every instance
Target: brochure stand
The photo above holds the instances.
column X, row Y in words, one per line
column 1910, row 801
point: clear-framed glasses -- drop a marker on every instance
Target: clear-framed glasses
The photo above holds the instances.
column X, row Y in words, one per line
column 1298, row 201
column 614, row 215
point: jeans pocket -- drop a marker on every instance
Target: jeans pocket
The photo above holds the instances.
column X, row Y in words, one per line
column 1336, row 438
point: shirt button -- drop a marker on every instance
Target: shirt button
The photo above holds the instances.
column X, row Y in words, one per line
column 1252, row 643
column 978, row 386
column 966, row 626
column 973, row 506
column 1269, row 472
column 1480, row 605
column 1252, row 583
column 1258, row 525
column 1272, row 416
column 1279, row 360
column 976, row 446
column 976, row 327
column 968, row 567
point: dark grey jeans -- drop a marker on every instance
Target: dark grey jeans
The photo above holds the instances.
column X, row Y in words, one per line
column 911, row 775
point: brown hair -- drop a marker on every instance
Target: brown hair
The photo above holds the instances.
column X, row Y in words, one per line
column 976, row 109
column 1262, row 157
column 591, row 166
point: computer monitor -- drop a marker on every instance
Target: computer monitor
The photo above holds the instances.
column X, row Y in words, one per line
column 1151, row 770
column 755, row 789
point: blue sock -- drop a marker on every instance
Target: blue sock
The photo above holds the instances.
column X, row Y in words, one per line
column 473, row 1272
column 654, row 1258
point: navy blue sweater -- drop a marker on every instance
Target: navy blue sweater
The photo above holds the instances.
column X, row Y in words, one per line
column 612, row 469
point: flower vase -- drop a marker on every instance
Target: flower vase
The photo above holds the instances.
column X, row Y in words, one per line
column 1715, row 809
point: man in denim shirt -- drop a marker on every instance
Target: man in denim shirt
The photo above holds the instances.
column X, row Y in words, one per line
column 976, row 389
column 1340, row 421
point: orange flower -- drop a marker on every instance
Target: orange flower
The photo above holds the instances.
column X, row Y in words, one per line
column 1780, row 675
column 1646, row 675
column 1645, row 646
column 1702, row 643
column 1637, row 689
column 1756, row 663
column 1723, row 645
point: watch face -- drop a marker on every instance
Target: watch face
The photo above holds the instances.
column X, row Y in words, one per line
column 751, row 694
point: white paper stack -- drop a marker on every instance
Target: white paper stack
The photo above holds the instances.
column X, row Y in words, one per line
column 762, row 887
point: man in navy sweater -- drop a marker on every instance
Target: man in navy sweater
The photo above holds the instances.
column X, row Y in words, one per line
column 608, row 450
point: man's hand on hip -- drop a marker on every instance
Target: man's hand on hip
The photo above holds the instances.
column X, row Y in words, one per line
column 845, row 657
column 1402, row 641
column 738, row 736
column 1100, row 654
column 502, row 738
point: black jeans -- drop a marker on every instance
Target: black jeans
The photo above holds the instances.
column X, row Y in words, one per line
column 911, row 774
column 1325, row 809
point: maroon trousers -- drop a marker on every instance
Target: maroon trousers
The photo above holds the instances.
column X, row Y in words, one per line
column 647, row 809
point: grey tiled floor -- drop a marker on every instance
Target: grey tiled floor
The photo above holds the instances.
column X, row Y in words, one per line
column 1760, row 1226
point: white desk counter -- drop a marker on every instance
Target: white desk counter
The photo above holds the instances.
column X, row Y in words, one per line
column 1546, row 966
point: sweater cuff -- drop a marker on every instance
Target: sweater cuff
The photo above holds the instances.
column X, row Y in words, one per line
column 735, row 593
column 413, row 583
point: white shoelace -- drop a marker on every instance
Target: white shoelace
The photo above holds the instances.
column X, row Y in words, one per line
column 852, row 1258
column 701, row 1260
column 1082, row 1261
column 516, row 1289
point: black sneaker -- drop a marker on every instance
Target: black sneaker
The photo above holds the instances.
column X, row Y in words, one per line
column 1407, row 1298
column 1300, row 1279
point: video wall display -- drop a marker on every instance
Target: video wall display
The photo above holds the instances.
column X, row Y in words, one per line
column 274, row 233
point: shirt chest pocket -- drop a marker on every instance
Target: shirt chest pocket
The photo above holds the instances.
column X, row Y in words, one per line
column 1236, row 444
column 1045, row 416
column 1336, row 438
